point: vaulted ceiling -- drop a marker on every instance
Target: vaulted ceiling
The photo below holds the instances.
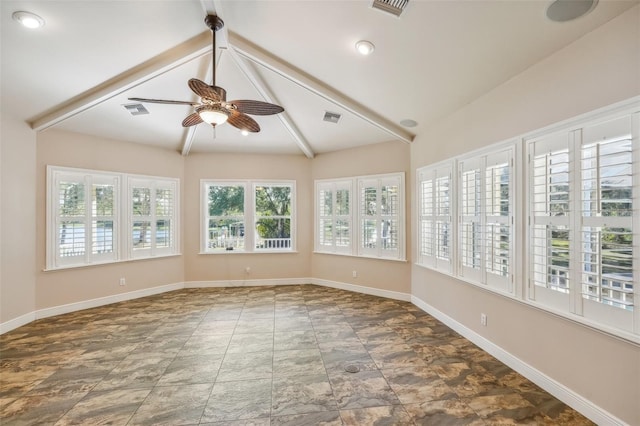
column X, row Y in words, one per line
column 77, row 72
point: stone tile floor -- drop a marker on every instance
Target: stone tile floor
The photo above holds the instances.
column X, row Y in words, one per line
column 260, row 356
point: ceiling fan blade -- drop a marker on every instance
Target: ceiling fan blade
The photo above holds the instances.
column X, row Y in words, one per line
column 257, row 107
column 203, row 90
column 243, row 122
column 163, row 101
column 191, row 120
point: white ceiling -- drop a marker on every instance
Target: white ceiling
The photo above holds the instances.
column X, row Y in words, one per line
column 77, row 71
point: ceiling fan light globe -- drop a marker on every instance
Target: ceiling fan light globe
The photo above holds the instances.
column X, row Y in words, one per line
column 213, row 115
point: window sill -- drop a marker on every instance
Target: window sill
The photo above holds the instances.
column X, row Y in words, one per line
column 232, row 252
column 113, row 262
column 392, row 259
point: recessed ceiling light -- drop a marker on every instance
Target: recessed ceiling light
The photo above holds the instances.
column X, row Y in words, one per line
column 409, row 123
column 365, row 47
column 28, row 19
column 568, row 10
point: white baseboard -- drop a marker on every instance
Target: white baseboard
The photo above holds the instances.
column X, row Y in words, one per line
column 17, row 322
column 362, row 289
column 107, row 300
column 247, row 283
column 564, row 394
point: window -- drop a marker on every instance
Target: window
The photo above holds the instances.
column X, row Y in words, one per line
column 248, row 216
column 434, row 217
column 486, row 217
column 333, row 212
column 579, row 254
column 549, row 209
column 379, row 215
column 91, row 216
column 152, row 217
column 607, row 214
column 581, row 210
column 368, row 222
column 273, row 216
column 225, row 222
column 83, row 223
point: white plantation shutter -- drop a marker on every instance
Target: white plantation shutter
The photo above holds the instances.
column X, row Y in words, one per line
column 333, row 232
column 485, row 218
column 152, row 215
column 102, row 217
column 435, row 203
column 470, row 210
column 606, row 216
column 582, row 221
column 165, row 208
column 84, row 221
column 381, row 216
column 325, row 236
column 550, row 202
column 426, row 217
column 498, row 219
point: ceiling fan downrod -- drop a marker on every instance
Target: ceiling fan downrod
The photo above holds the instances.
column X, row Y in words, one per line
column 214, row 23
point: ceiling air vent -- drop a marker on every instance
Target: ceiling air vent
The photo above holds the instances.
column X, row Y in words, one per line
column 331, row 117
column 394, row 7
column 136, row 109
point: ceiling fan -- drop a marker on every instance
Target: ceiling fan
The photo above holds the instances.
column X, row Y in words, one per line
column 213, row 107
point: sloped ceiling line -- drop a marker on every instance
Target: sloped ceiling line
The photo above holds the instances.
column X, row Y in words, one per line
column 215, row 7
column 154, row 67
column 253, row 53
column 267, row 95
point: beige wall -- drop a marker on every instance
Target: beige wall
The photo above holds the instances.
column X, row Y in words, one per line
column 224, row 267
column 600, row 69
column 389, row 275
column 18, row 213
column 60, row 287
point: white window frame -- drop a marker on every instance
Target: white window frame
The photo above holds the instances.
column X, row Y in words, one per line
column 122, row 221
column 356, row 216
column 250, row 217
column 436, row 233
column 208, row 245
column 274, row 246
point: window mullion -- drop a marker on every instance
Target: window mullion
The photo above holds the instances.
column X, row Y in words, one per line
column 88, row 219
column 576, row 222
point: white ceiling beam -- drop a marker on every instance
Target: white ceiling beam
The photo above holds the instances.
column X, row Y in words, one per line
column 250, row 51
column 154, row 67
column 268, row 96
column 187, row 140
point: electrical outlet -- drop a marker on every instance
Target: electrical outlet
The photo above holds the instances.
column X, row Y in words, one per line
column 247, row 270
column 483, row 319
column 123, row 281
column 354, row 274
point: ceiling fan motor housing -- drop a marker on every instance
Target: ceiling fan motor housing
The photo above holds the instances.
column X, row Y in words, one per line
column 222, row 94
column 213, row 22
